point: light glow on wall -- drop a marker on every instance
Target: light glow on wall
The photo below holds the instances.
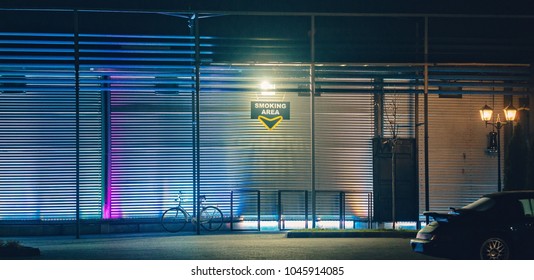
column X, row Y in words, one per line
column 267, row 88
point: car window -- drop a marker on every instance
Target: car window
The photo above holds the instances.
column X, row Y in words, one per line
column 481, row 204
column 527, row 207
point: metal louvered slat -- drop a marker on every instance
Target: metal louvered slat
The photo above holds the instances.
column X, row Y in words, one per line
column 403, row 120
column 478, row 80
column 345, row 126
column 136, row 128
column 344, row 130
column 243, row 41
column 37, row 132
column 343, row 153
column 460, row 168
column 238, row 152
column 148, row 85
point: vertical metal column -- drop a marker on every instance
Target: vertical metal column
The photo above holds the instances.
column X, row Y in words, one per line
column 427, row 185
column 279, row 210
column 370, row 209
column 77, row 90
column 106, row 147
column 341, row 210
column 306, row 209
column 416, row 118
column 231, row 210
column 499, row 180
column 194, row 122
column 312, row 119
column 197, row 118
column 259, row 210
column 378, row 112
column 378, row 99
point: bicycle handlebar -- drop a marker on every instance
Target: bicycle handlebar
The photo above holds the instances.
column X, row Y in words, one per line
column 179, row 198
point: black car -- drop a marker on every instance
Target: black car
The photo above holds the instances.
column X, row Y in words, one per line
column 496, row 226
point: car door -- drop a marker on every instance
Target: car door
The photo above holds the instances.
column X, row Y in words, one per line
column 526, row 227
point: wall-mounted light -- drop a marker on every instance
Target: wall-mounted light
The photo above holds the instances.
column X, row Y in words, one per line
column 486, row 113
column 267, row 88
column 493, row 147
column 510, row 112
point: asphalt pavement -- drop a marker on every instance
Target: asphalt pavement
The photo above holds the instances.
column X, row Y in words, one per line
column 218, row 246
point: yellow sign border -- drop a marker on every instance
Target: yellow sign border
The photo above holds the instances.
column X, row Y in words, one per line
column 278, row 120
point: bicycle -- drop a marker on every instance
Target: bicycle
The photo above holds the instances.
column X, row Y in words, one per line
column 175, row 218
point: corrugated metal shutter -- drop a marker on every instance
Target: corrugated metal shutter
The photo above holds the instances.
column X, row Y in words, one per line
column 38, row 131
column 399, row 86
column 256, row 39
column 460, row 168
column 344, row 131
column 345, row 125
column 149, row 80
column 239, row 153
column 403, row 120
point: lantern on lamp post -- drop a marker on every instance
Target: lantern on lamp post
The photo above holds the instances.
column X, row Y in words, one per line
column 486, row 114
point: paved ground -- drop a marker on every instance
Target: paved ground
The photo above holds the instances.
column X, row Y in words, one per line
column 197, row 257
column 224, row 246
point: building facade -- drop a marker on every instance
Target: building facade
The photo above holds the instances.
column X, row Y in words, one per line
column 286, row 119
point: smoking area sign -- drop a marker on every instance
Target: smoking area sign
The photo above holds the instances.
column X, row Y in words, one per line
column 270, row 114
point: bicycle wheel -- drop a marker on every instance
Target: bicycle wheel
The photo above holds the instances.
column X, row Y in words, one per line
column 211, row 218
column 173, row 220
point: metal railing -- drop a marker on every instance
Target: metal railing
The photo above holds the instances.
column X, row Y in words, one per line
column 294, row 206
column 258, row 208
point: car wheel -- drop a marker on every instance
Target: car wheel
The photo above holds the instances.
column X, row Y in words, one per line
column 494, row 248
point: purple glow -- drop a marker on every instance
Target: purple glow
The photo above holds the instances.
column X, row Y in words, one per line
column 112, row 196
column 106, row 213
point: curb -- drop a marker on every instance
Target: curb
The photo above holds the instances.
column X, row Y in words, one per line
column 351, row 234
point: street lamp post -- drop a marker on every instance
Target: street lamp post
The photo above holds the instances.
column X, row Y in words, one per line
column 486, row 114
